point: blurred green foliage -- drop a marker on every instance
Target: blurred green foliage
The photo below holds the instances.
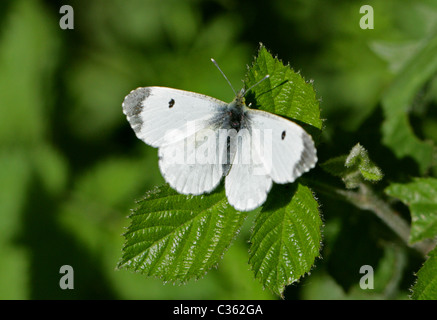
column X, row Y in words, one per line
column 70, row 166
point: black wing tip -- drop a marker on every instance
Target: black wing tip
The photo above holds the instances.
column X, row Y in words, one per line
column 132, row 102
column 133, row 105
column 308, row 157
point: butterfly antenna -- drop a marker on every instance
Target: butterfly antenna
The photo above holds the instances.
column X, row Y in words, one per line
column 213, row 61
column 266, row 77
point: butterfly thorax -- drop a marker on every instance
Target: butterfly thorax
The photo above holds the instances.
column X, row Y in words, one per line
column 236, row 112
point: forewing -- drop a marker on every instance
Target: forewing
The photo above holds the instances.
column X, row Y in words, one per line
column 160, row 115
column 287, row 151
column 180, row 123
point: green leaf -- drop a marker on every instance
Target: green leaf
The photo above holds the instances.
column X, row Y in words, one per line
column 286, row 237
column 359, row 158
column 426, row 285
column 178, row 237
column 354, row 168
column 396, row 129
column 421, row 197
column 284, row 93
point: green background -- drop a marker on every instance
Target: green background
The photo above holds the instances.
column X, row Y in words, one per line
column 71, row 167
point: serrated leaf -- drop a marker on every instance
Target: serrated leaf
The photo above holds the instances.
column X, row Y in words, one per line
column 354, row 168
column 285, row 92
column 421, row 197
column 286, row 237
column 178, row 237
column 397, row 132
column 426, row 285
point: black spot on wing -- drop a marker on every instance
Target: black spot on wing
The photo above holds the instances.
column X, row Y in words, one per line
column 283, row 135
column 171, row 103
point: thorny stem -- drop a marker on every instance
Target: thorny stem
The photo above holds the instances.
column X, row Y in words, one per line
column 364, row 198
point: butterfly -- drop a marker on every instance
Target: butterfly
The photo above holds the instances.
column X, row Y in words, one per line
column 201, row 139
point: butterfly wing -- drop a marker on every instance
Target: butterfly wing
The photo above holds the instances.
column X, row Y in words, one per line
column 156, row 114
column 278, row 150
column 247, row 183
column 291, row 148
column 176, row 121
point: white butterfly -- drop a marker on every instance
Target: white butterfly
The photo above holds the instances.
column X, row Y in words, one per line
column 202, row 139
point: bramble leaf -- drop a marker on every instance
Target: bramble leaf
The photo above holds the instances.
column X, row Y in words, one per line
column 285, row 92
column 286, row 237
column 421, row 197
column 177, row 237
column 354, row 168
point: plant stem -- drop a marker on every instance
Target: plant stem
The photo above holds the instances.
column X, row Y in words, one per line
column 364, row 198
